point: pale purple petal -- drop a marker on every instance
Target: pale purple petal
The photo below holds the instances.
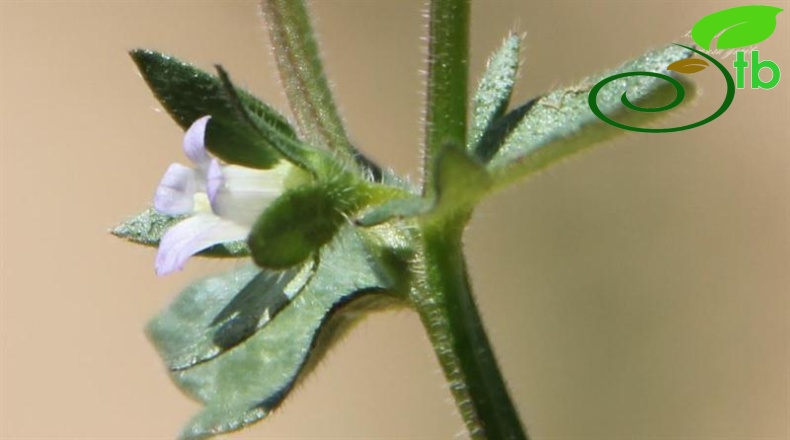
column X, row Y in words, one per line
column 175, row 194
column 195, row 142
column 214, row 180
column 191, row 236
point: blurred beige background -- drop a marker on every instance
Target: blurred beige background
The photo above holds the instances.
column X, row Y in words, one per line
column 639, row 291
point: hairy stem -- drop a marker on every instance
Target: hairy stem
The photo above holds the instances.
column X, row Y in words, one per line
column 302, row 74
column 448, row 71
column 443, row 297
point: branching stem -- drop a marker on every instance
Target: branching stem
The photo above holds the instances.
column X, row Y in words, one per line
column 441, row 292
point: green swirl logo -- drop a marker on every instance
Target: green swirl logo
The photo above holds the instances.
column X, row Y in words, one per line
column 680, row 94
column 727, row 29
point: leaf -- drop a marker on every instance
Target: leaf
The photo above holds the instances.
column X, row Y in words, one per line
column 188, row 93
column 690, row 65
column 561, row 122
column 736, row 27
column 496, row 86
column 217, row 314
column 494, row 137
column 244, row 384
column 302, row 155
column 147, row 228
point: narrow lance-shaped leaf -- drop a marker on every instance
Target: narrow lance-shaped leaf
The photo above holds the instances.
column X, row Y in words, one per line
column 736, row 27
column 188, row 93
column 245, row 384
column 496, row 133
column 147, row 228
column 316, row 161
column 561, row 122
column 494, row 90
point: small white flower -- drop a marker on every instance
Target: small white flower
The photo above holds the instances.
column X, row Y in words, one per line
column 222, row 201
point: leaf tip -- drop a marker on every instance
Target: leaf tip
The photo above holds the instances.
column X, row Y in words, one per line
column 140, row 55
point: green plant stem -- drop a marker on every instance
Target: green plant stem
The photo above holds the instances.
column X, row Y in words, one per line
column 302, row 74
column 448, row 71
column 444, row 300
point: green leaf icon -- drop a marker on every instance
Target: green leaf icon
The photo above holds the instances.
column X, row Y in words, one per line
column 736, row 27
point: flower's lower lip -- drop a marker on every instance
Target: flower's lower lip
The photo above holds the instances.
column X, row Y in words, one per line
column 193, row 235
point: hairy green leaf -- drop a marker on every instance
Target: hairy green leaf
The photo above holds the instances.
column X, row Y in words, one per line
column 147, row 228
column 493, row 93
column 302, row 155
column 221, row 312
column 736, row 27
column 561, row 122
column 496, row 134
column 244, row 384
column 188, row 93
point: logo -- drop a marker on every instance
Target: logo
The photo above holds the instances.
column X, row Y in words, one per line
column 733, row 28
